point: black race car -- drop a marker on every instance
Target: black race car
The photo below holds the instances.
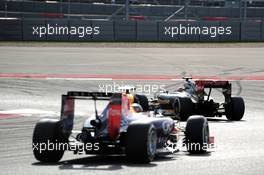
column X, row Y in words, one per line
column 193, row 99
column 119, row 129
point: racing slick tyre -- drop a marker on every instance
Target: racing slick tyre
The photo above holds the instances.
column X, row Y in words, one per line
column 46, row 134
column 235, row 109
column 143, row 101
column 197, row 134
column 141, row 142
column 183, row 108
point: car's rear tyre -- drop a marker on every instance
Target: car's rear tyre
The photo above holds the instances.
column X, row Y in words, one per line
column 143, row 101
column 183, row 108
column 197, row 134
column 46, row 134
column 141, row 142
column 235, row 109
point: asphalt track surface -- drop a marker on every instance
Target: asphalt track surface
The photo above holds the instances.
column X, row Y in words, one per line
column 33, row 78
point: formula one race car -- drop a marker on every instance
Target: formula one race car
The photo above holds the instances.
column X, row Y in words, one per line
column 121, row 128
column 192, row 99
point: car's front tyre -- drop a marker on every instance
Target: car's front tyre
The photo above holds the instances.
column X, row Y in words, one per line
column 197, row 134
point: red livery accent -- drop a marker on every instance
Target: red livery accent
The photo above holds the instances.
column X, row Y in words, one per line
column 118, row 107
column 68, row 108
column 211, row 84
column 114, row 120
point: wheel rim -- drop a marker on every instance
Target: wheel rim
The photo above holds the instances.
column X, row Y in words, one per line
column 152, row 141
column 206, row 134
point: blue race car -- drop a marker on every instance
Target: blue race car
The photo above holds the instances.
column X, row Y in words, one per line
column 122, row 128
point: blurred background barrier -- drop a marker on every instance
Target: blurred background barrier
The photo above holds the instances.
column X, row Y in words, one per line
column 83, row 30
column 149, row 9
column 132, row 20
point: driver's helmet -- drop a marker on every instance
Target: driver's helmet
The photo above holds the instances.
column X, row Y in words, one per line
column 189, row 87
column 131, row 98
column 135, row 107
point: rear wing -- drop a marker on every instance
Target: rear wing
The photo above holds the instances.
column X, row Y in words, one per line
column 212, row 84
column 89, row 95
column 225, row 85
column 118, row 106
column 68, row 104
